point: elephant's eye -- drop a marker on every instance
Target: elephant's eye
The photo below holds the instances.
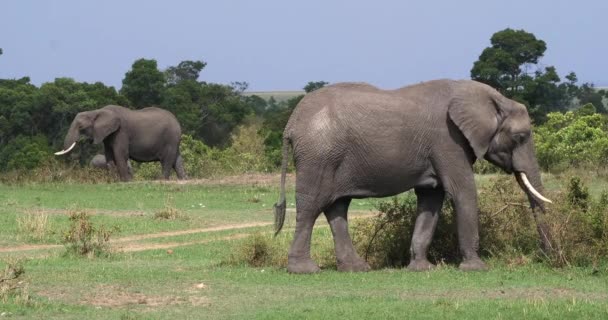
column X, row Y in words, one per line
column 520, row 137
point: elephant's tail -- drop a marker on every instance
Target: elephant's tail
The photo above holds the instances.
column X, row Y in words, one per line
column 280, row 207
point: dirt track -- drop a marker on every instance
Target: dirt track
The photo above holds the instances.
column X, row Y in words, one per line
column 129, row 243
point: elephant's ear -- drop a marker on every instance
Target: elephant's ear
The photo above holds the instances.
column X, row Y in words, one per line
column 477, row 116
column 106, row 123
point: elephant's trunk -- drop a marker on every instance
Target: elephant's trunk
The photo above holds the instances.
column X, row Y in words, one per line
column 70, row 139
column 527, row 174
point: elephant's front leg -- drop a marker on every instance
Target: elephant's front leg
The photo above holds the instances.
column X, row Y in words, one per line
column 299, row 260
column 467, row 219
column 121, row 157
column 430, row 202
column 347, row 257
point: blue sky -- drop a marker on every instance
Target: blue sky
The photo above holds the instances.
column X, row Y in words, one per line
column 281, row 45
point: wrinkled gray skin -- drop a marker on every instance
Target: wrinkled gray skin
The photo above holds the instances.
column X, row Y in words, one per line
column 353, row 140
column 99, row 161
column 149, row 134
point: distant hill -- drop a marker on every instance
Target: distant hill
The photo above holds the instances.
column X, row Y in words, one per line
column 278, row 95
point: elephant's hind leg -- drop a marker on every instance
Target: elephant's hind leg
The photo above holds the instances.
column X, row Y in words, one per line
column 179, row 168
column 347, row 257
column 299, row 260
column 430, row 202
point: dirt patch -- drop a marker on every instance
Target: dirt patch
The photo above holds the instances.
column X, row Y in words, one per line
column 140, row 247
column 134, row 247
column 114, row 296
column 29, row 247
column 191, row 231
column 119, row 243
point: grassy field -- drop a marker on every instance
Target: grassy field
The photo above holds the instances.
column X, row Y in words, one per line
column 176, row 268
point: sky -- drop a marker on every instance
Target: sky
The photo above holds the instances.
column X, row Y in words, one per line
column 281, row 45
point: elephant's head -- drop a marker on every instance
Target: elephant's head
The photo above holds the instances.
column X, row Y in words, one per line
column 499, row 130
column 95, row 125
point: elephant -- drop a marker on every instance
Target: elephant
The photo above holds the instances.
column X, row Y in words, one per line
column 148, row 134
column 353, row 140
column 99, row 161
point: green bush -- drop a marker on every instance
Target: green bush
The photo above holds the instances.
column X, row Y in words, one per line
column 25, row 153
column 572, row 139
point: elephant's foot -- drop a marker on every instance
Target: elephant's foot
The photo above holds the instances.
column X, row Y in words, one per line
column 353, row 265
column 420, row 265
column 302, row 265
column 473, row 265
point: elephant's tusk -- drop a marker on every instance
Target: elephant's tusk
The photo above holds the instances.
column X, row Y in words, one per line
column 531, row 188
column 65, row 151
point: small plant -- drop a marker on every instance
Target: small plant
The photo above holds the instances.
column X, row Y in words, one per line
column 260, row 250
column 254, row 199
column 11, row 284
column 578, row 194
column 266, row 250
column 33, row 225
column 169, row 212
column 85, row 239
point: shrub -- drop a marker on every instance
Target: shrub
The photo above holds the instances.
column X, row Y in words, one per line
column 85, row 239
column 25, row 153
column 572, row 139
column 266, row 250
column 169, row 212
column 260, row 250
column 11, row 284
column 33, row 225
column 52, row 171
column 384, row 240
column 577, row 224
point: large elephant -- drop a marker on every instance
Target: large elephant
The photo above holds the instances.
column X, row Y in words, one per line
column 353, row 140
column 149, row 134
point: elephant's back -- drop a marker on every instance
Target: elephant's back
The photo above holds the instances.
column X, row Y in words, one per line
column 160, row 118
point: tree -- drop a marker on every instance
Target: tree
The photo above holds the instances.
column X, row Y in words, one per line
column 587, row 93
column 314, row 85
column 144, row 84
column 500, row 65
column 222, row 109
column 510, row 66
column 185, row 70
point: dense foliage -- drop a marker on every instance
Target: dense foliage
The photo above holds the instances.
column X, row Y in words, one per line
column 34, row 120
column 573, row 139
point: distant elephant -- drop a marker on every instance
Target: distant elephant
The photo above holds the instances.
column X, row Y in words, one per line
column 356, row 141
column 99, row 161
column 149, row 134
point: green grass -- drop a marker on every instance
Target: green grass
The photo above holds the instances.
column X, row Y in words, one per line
column 131, row 207
column 161, row 284
column 76, row 288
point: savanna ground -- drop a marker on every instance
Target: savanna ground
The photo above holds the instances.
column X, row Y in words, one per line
column 171, row 243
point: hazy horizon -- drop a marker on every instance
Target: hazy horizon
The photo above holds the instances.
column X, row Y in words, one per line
column 280, row 46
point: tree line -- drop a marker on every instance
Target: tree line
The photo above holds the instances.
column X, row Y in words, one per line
column 34, row 119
